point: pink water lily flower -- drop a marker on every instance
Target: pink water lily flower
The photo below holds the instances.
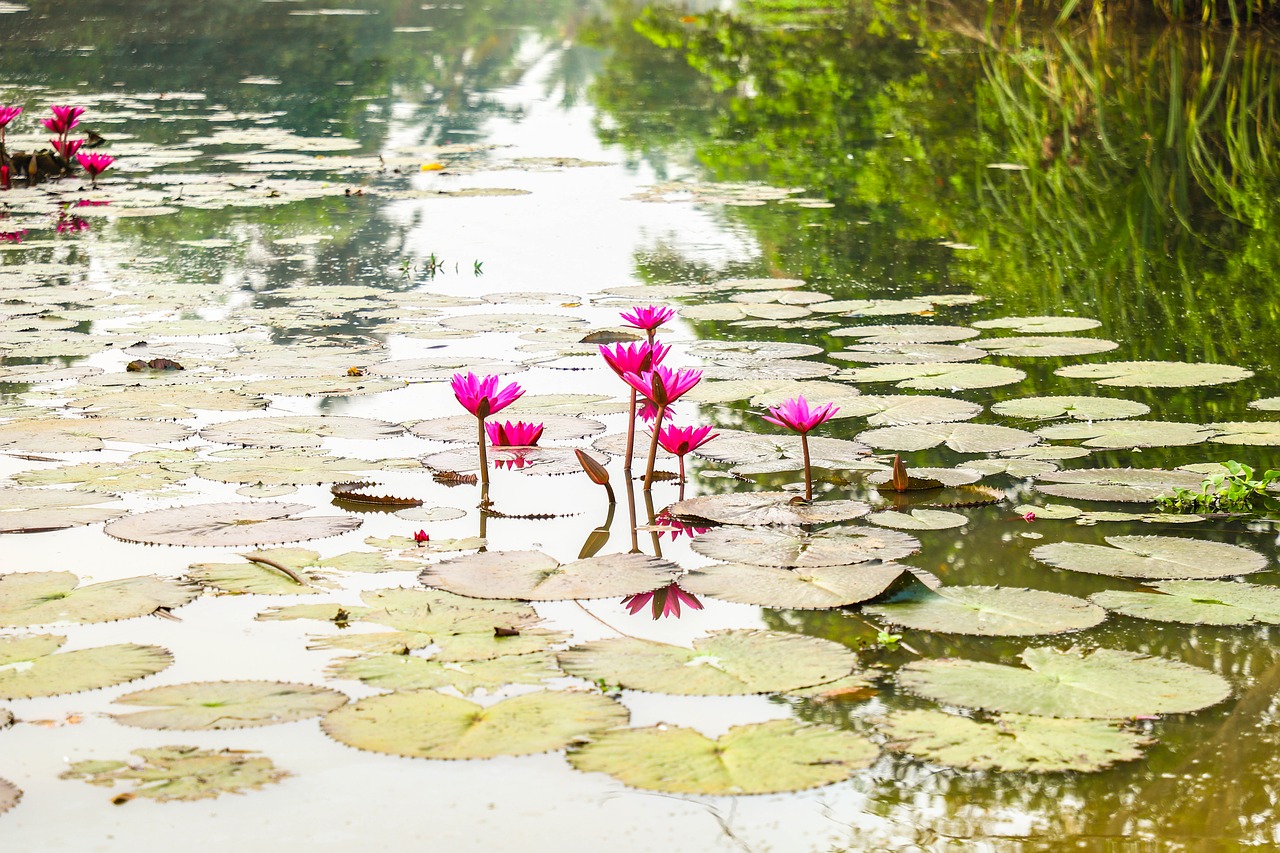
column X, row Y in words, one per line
column 662, row 386
column 519, row 434
column 66, row 148
column 64, row 118
column 482, row 397
column 94, row 164
column 649, row 318
column 681, row 440
column 662, row 602
column 421, row 538
column 635, row 357
column 12, row 236
column 8, row 114
column 795, row 414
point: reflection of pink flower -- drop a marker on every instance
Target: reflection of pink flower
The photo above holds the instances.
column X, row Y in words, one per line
column 670, row 524
column 421, row 537
column 8, row 114
column 66, row 148
column 662, row 602
column 648, row 318
column 634, row 358
column 519, row 434
column 795, row 414
column 12, row 236
column 72, row 224
column 662, row 386
column 89, row 202
column 481, row 397
column 515, row 457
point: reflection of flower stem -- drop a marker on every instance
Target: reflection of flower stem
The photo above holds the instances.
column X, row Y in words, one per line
column 653, row 448
column 484, row 516
column 631, row 511
column 631, row 436
column 808, row 475
column 653, row 524
column 484, row 463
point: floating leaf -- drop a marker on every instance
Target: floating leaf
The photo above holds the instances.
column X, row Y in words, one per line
column 987, row 611
column 1012, row 742
column 1267, row 404
column 962, row 438
column 1132, row 485
column 909, row 354
column 901, row 409
column 533, row 576
column 297, row 430
column 758, row 508
column 547, row 461
column 906, row 334
column 761, row 758
column 744, row 449
column 210, row 705
column 1040, row 325
column 723, row 663
column 737, row 352
column 182, row 773
column 427, row 724
column 1154, row 557
column 1044, row 346
column 1198, row 603
column 283, row 468
column 795, row 589
column 1054, row 512
column 1155, row 374
column 463, row 428
column 37, row 510
column 780, row 369
column 938, row 377
column 1259, row 434
column 104, row 477
column 792, row 547
column 322, row 386
column 406, row 672
column 229, row 524
column 919, row 519
column 72, row 435
column 1099, row 684
column 1076, row 408
column 924, row 479
column 29, row 667
column 1116, row 435
column 40, row 598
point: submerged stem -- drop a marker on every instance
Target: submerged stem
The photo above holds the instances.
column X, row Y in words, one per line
column 653, row 449
column 808, row 475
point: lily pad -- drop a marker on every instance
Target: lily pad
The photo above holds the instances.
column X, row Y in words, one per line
column 906, row 334
column 723, row 663
column 736, row 352
column 938, row 377
column 406, row 672
column 919, row 519
column 1076, row 408
column 1198, row 603
column 105, row 477
column 322, row 386
column 229, row 524
column 910, row 354
column 298, row 430
column 1257, row 434
column 430, row 369
column 902, row 409
column 1155, row 374
column 1044, row 346
column 795, row 548
column 40, row 598
column 29, row 666
column 73, row 435
column 534, row 576
column 463, row 427
column 1040, row 325
column 182, row 773
column 1128, row 485
column 962, row 438
column 427, row 724
column 746, row 450
column 546, row 461
column 761, row 758
column 1153, row 557
column 760, row 508
column 210, row 705
column 818, row 588
column 988, row 611
column 1117, row 435
column 1097, row 684
column 38, row 510
column 1012, row 742
column 283, row 468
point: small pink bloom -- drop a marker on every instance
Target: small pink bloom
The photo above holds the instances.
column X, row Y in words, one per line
column 88, row 202
column 421, row 537
column 635, row 357
column 795, row 414
column 682, row 440
column 519, row 434
column 662, row 602
column 8, row 114
column 72, row 224
column 12, row 236
column 66, row 149
column 663, row 386
column 1029, row 517
column 4, row 177
column 481, row 397
column 95, row 164
column 64, row 118
column 648, row 318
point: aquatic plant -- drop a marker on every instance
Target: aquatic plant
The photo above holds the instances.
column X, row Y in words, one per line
column 95, row 164
column 662, row 602
column 680, row 441
column 519, row 434
column 661, row 387
column 648, row 318
column 1233, row 489
column 482, row 397
column 633, row 358
column 795, row 414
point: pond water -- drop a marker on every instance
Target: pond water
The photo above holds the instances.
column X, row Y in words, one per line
column 324, row 211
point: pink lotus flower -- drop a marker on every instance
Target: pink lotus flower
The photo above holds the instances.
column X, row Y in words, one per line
column 1029, row 517
column 663, row 602
column 421, row 537
column 95, row 164
column 795, row 414
column 519, row 434
column 12, row 236
column 8, row 114
column 649, row 318
column 4, row 177
column 662, row 386
column 64, row 118
column 635, row 357
column 72, row 224
column 682, row 440
column 481, row 397
column 66, row 148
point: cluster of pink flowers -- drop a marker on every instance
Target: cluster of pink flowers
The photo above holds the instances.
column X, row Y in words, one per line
column 64, row 119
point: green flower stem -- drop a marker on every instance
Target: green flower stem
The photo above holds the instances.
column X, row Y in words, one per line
column 631, row 436
column 653, row 449
column 808, row 474
column 484, row 461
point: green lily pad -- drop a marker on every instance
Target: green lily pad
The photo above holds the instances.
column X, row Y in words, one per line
column 432, row 369
column 322, row 386
column 406, row 672
column 104, row 477
column 903, row 409
column 1076, row 408
column 73, row 435
column 817, row 588
column 229, row 524
column 1155, row 374
column 988, row 611
column 29, row 666
column 1044, row 346
column 182, row 773
column 1120, row 434
column 1052, row 512
column 909, row 354
column 917, row 333
column 534, row 576
column 427, row 724
column 38, row 510
column 545, row 461
column 40, row 598
column 283, row 468
column 297, row 430
column 1097, row 684
column 790, row 547
column 1012, row 742
column 1267, row 404
column 938, row 377
column 1128, row 485
column 781, row 369
column 1258, row 434
column 761, row 758
column 919, row 519
column 762, row 453
column 210, row 705
column 735, row 352
column 1198, row 603
column 962, row 437
column 762, row 508
column 1153, row 557
column 1040, row 325
column 723, row 663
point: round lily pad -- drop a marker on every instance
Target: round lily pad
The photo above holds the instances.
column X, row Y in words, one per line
column 39, row 598
column 1121, row 434
column 36, row 510
column 72, row 435
column 427, row 724
column 790, row 547
column 1044, row 346
column 1258, row 434
column 1012, row 742
column 229, row 524
column 919, row 519
column 1129, row 485
column 283, row 468
column 463, row 427
column 41, row 672
column 1198, row 603
column 748, row 351
column 1076, row 408
column 297, row 431
column 1154, row 557
column 745, row 449
column 759, row 508
column 761, row 758
column 182, row 773
column 1040, row 325
column 901, row 409
column 918, row 333
column 988, row 611
column 208, row 705
column 545, row 461
column 909, row 354
column 534, row 576
column 427, row 369
column 406, row 672
column 938, row 377
column 817, row 588
column 962, row 437
column 723, row 663
column 1155, row 374
column 105, row 477
column 1098, row 684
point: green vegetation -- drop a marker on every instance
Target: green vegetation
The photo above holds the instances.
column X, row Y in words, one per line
column 1233, row 489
